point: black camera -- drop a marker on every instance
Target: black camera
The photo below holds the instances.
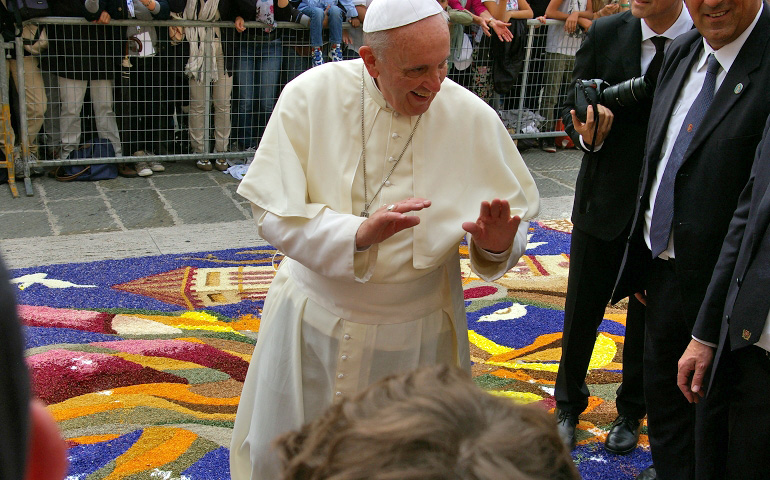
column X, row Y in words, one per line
column 592, row 92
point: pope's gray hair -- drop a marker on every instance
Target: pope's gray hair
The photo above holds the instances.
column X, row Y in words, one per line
column 378, row 41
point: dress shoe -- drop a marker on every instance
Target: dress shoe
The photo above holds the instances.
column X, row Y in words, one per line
column 647, row 474
column 126, row 170
column 623, row 436
column 566, row 423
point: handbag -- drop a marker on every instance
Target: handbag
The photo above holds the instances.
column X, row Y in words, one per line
column 31, row 8
column 35, row 38
column 99, row 148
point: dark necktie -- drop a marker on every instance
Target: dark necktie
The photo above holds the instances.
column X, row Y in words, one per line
column 663, row 211
column 654, row 68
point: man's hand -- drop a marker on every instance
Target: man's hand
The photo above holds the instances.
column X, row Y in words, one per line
column 495, row 229
column 586, row 130
column 501, row 29
column 386, row 221
column 695, row 361
column 239, row 24
column 103, row 19
column 355, row 22
column 642, row 297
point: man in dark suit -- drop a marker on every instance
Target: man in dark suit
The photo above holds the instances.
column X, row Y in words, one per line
column 706, row 122
column 617, row 48
column 734, row 319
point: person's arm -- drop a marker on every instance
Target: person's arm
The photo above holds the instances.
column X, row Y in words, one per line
column 324, row 243
column 697, row 358
column 350, row 11
column 582, row 133
column 160, row 9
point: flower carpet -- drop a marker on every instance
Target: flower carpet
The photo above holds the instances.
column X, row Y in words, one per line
column 141, row 361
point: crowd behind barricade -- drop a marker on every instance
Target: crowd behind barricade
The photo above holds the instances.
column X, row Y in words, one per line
column 143, row 88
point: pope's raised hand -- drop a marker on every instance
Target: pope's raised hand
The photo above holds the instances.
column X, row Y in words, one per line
column 388, row 220
column 495, row 228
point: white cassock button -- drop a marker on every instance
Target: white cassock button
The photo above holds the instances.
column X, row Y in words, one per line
column 395, row 114
column 340, row 376
column 344, row 357
column 346, row 336
column 339, row 394
column 391, row 159
column 387, row 183
column 395, row 135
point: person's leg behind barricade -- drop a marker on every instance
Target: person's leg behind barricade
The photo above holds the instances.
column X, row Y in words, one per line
column 34, row 98
column 336, row 16
column 316, row 15
column 71, row 92
column 268, row 78
column 221, row 95
column 106, row 123
column 51, row 137
column 244, row 80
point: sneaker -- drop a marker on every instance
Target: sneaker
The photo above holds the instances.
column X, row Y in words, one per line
column 221, row 164
column 157, row 167
column 336, row 54
column 143, row 169
column 204, row 165
column 317, row 57
column 548, row 145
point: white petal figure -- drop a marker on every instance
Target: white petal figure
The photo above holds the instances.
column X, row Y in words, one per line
column 26, row 281
column 516, row 310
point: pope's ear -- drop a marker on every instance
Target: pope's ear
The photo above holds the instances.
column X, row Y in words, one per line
column 370, row 60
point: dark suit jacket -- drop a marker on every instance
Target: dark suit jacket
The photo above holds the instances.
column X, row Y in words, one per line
column 736, row 300
column 716, row 165
column 605, row 193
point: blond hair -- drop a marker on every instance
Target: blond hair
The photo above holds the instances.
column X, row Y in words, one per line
column 434, row 423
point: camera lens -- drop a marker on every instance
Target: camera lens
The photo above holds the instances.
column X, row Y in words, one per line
column 630, row 92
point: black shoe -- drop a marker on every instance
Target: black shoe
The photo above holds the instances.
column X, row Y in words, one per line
column 548, row 145
column 623, row 436
column 566, row 423
column 647, row 474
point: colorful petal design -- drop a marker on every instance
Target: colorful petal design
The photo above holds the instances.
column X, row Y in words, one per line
column 143, row 371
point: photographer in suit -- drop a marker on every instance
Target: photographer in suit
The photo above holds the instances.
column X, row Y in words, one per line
column 707, row 118
column 616, row 49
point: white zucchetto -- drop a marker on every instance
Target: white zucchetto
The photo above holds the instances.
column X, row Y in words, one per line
column 388, row 14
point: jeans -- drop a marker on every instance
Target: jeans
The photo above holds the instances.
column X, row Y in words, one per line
column 257, row 76
column 316, row 15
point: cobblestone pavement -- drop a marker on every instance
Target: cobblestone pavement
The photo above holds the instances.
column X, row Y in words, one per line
column 180, row 210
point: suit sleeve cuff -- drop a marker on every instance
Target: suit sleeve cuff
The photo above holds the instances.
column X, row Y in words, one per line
column 712, row 345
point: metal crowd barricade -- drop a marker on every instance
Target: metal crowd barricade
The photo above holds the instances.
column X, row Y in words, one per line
column 146, row 109
column 531, row 108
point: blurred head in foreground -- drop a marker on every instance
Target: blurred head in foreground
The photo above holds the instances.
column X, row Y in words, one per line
column 434, row 423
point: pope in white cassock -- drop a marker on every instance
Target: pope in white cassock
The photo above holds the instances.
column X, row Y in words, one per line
column 368, row 175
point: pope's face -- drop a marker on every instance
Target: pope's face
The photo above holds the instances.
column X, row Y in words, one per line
column 722, row 21
column 410, row 70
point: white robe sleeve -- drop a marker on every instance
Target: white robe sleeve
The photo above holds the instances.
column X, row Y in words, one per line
column 491, row 266
column 325, row 243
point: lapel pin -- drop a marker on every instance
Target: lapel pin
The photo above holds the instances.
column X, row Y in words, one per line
column 738, row 88
column 746, row 335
